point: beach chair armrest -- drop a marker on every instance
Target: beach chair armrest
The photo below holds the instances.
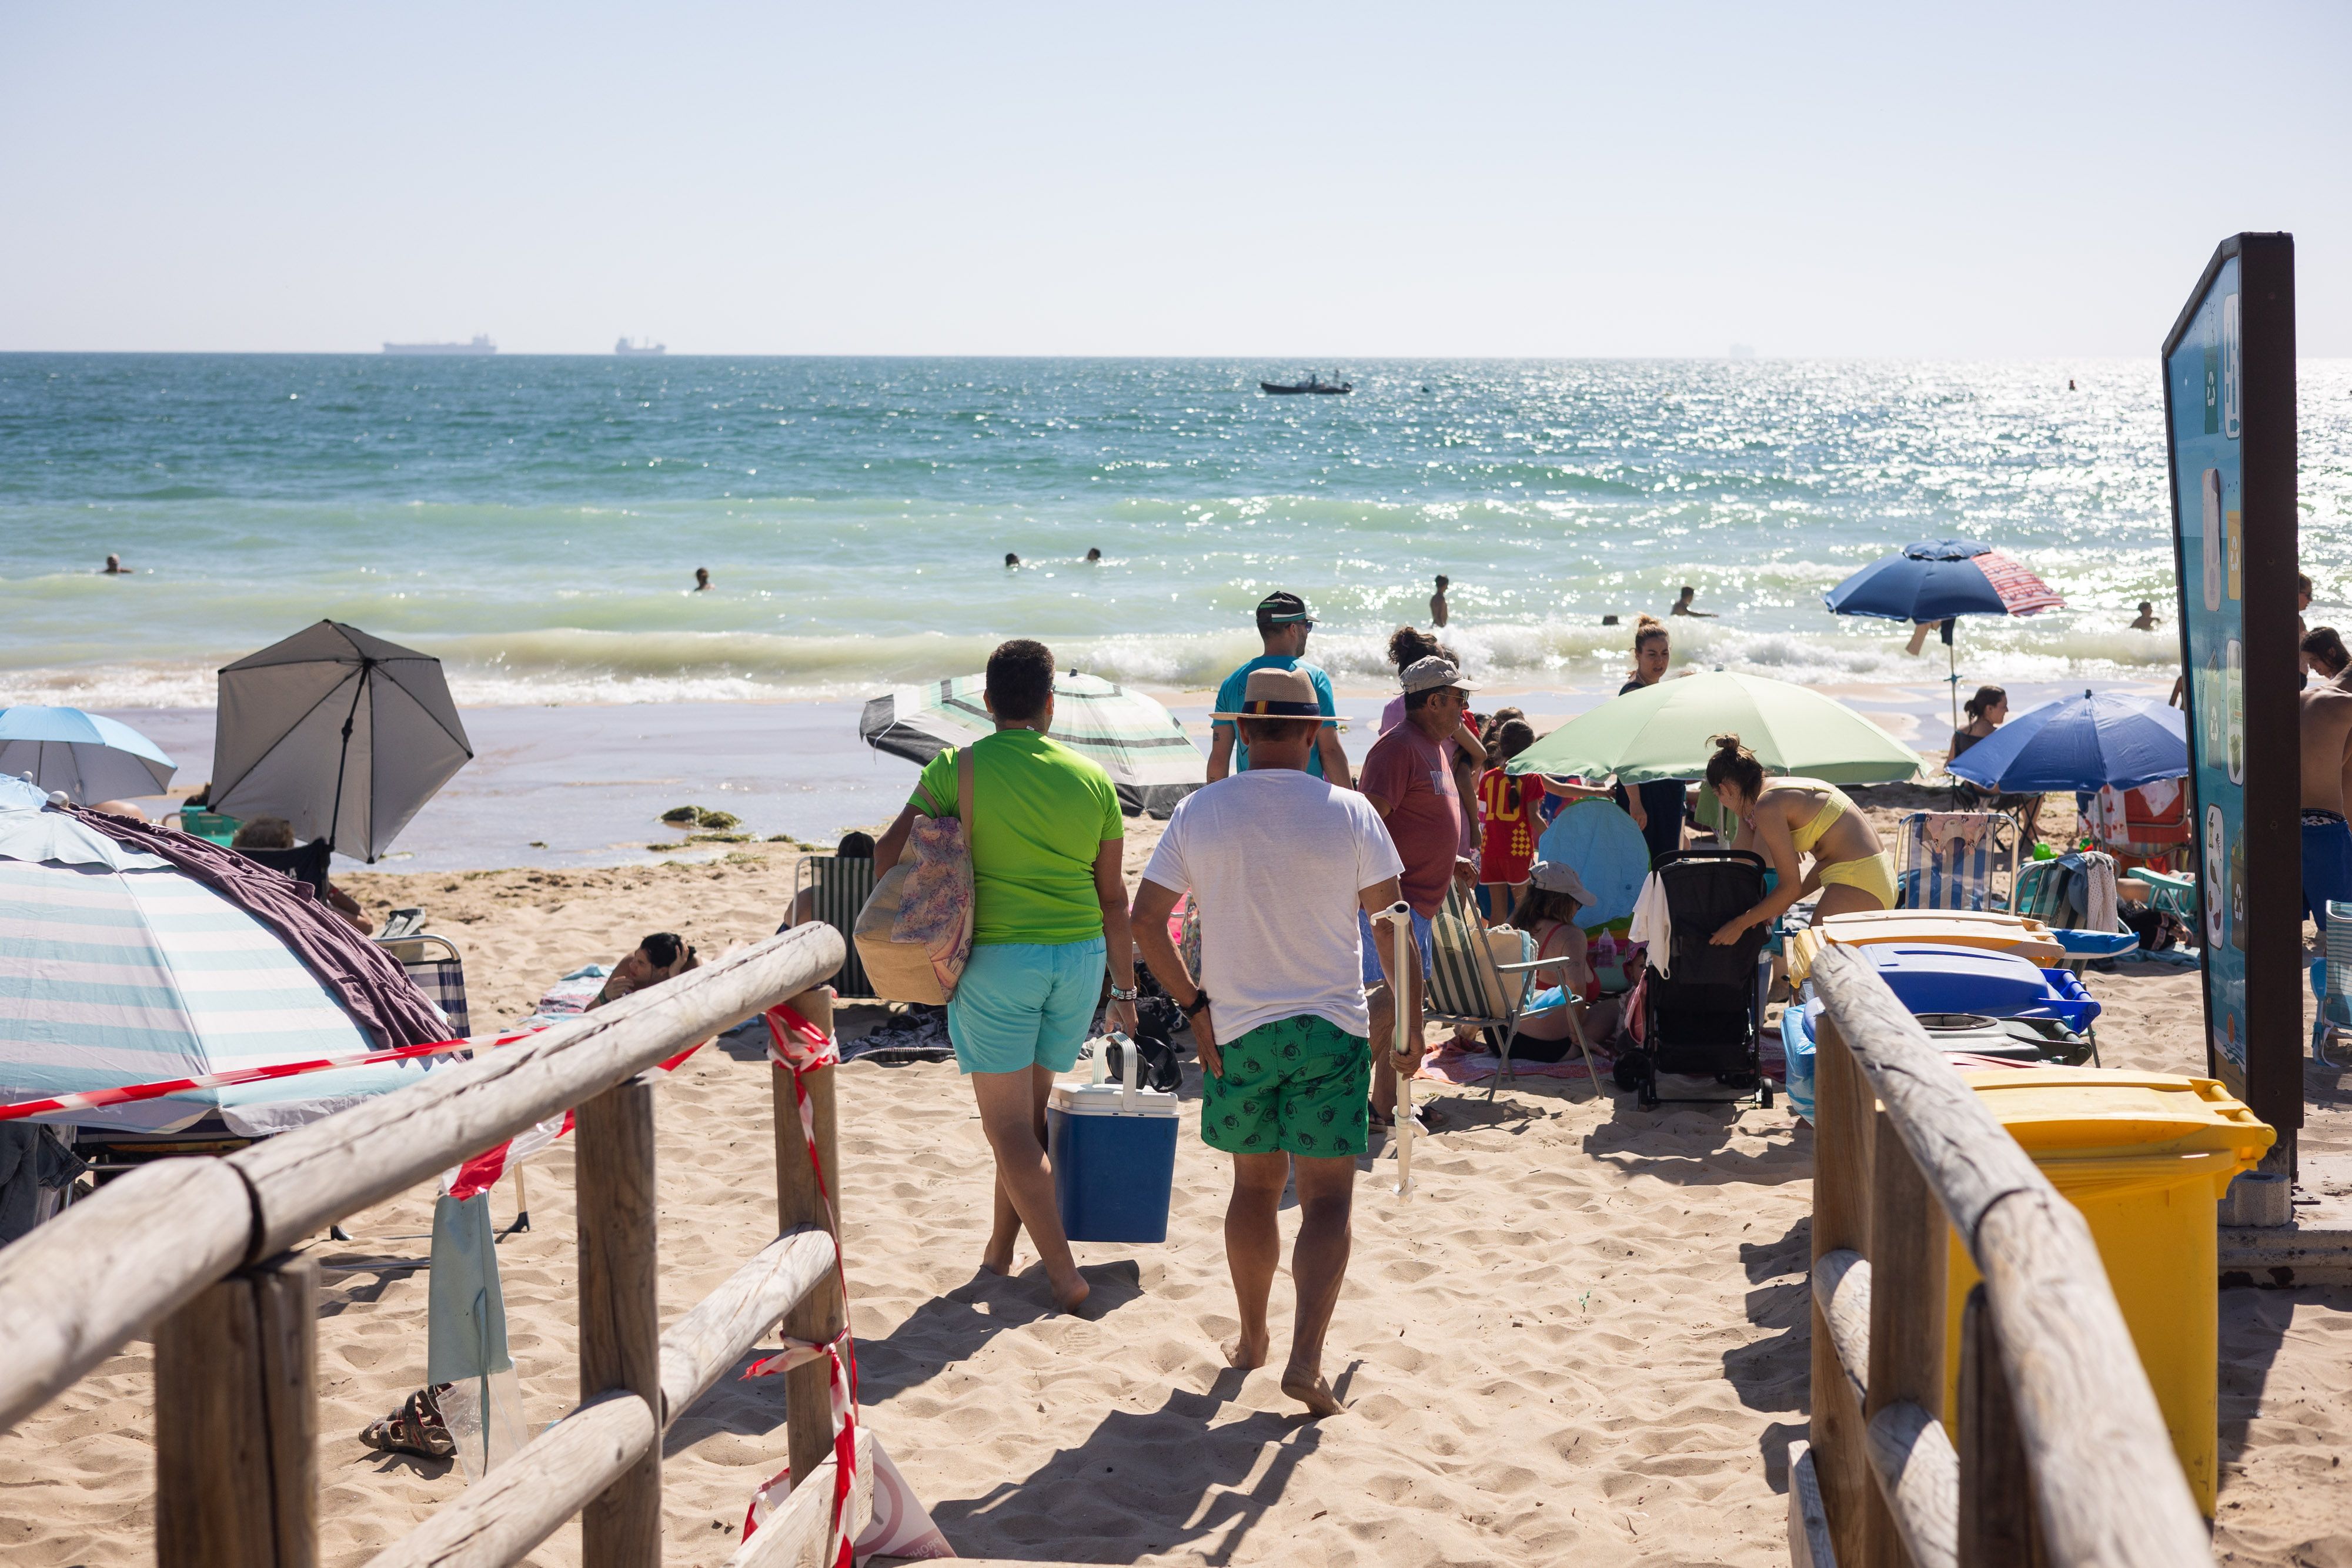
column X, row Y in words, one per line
column 1530, row 964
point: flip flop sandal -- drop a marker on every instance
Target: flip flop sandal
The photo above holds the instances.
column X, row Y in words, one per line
column 414, row 1428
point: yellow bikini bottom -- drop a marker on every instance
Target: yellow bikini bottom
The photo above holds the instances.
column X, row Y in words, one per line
column 1872, row 874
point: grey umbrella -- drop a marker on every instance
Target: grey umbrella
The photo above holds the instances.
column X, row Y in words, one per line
column 343, row 733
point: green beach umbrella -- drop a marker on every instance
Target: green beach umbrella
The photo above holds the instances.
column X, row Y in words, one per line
column 1661, row 732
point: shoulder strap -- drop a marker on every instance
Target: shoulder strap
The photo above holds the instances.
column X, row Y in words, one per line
column 963, row 792
column 931, row 806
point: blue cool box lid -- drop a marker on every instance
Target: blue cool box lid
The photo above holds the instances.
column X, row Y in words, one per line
column 1928, row 979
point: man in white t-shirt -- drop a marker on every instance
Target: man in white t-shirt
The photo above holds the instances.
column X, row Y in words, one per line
column 1278, row 862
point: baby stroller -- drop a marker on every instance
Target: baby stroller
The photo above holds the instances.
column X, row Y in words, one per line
column 1704, row 1014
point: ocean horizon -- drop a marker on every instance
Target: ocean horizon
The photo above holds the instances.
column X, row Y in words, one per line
column 536, row 520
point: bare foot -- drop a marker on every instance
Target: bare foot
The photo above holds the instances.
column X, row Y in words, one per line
column 1309, row 1389
column 998, row 1259
column 1073, row 1298
column 1249, row 1350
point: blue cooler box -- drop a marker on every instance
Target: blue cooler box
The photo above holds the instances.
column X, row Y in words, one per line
column 1113, row 1148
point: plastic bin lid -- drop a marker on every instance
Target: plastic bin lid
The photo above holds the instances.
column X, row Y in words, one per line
column 2091, row 1110
column 1105, row 1097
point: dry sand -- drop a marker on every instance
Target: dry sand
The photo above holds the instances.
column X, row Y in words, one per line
column 1585, row 1338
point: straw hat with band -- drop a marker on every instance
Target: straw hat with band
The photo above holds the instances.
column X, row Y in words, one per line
column 1277, row 694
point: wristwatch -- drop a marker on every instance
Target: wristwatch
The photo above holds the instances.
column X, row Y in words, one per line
column 1200, row 1001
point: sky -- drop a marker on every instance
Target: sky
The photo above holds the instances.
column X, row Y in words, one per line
column 1304, row 181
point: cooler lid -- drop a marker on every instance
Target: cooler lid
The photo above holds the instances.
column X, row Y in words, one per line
column 1075, row 1098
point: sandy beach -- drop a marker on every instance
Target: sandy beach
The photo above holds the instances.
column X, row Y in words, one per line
column 1584, row 1339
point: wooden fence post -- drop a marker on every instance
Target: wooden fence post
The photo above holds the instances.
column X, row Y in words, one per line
column 1841, row 1120
column 620, row 1315
column 808, row 1390
column 1997, row 1527
column 236, row 1429
column 1909, row 1245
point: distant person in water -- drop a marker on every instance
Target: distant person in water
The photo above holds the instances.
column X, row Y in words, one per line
column 1094, row 558
column 1920, row 632
column 1011, row 561
column 701, row 580
column 114, row 567
column 2146, row 620
column 1437, row 601
column 1682, row 605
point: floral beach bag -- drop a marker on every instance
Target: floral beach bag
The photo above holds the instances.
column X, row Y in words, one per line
column 914, row 934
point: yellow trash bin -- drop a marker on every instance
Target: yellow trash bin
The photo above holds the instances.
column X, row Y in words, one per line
column 2145, row 1156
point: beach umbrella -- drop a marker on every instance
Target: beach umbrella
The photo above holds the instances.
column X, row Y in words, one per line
column 1665, row 732
column 121, row 970
column 88, row 756
column 1151, row 760
column 2086, row 742
column 1940, row 579
column 1609, row 855
column 343, row 733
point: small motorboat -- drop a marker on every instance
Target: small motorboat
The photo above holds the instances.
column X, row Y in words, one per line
column 1312, row 384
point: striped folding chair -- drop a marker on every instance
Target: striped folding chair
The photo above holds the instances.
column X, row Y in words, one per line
column 1950, row 860
column 1470, row 988
column 442, row 976
column 840, row 889
column 2332, row 980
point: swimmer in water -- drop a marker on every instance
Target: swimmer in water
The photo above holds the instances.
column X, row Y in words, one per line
column 114, row 568
column 1011, row 561
column 701, row 579
column 2145, row 621
column 1094, row 558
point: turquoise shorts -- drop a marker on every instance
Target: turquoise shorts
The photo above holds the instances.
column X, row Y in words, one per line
column 1025, row 1004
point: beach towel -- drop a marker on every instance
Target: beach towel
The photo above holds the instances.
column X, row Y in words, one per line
column 1653, row 924
column 1449, row 1063
column 465, row 1338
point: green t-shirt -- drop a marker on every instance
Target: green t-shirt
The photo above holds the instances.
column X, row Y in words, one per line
column 1044, row 812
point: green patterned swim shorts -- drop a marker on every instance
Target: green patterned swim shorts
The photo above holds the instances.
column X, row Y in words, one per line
column 1296, row 1085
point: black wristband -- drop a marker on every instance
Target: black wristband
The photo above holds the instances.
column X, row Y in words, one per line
column 1200, row 1001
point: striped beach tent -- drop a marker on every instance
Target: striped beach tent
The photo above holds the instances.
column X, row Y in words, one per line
column 115, row 969
column 1151, row 760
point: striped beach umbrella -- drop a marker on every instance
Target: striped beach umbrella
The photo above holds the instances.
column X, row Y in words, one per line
column 89, row 756
column 1940, row 579
column 1149, row 758
column 116, row 969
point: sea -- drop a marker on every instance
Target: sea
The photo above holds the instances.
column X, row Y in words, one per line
column 536, row 522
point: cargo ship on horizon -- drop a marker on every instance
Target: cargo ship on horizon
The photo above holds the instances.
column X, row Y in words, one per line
column 481, row 345
column 627, row 347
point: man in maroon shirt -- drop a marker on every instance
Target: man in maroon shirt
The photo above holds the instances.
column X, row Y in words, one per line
column 1407, row 777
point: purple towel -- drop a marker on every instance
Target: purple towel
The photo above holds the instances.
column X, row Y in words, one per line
column 370, row 983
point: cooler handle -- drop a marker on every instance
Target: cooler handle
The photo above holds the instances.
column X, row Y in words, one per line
column 1127, row 1068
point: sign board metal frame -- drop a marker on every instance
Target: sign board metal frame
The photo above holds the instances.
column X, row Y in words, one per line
column 2229, row 437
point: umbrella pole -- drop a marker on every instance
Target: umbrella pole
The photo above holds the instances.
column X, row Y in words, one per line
column 359, row 690
column 1952, row 667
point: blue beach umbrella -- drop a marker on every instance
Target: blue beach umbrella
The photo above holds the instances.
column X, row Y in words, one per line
column 2100, row 738
column 1601, row 843
column 88, row 756
column 1940, row 579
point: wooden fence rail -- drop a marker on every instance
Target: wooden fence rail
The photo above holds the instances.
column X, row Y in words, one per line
column 2062, row 1455
column 197, row 1250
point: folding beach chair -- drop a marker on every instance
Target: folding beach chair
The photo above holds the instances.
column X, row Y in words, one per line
column 2332, row 980
column 841, row 888
column 2143, row 827
column 1470, row 988
column 442, row 976
column 1950, row 860
column 303, row 863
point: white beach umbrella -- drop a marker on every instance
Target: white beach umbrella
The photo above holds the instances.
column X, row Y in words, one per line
column 343, row 733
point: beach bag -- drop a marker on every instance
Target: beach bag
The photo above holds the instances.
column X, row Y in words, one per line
column 914, row 934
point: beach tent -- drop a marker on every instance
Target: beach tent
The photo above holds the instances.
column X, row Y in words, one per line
column 343, row 733
column 2091, row 742
column 1151, row 760
column 1601, row 843
column 1666, row 731
column 88, row 756
column 1939, row 580
column 116, row 969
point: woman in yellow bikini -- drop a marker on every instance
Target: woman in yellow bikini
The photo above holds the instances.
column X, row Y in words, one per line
column 1784, row 818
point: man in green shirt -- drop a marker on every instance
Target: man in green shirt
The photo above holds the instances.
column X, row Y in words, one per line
column 1050, row 910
